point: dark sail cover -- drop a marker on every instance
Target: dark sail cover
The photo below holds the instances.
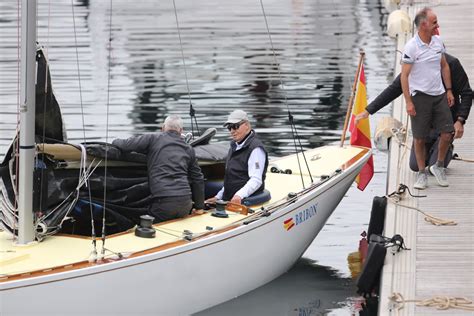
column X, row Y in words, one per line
column 62, row 203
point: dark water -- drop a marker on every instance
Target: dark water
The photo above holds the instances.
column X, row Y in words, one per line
column 229, row 64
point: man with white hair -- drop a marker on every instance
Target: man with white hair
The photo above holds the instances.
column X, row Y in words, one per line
column 174, row 176
column 246, row 163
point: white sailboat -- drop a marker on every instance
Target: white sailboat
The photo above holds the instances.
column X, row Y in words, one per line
column 191, row 264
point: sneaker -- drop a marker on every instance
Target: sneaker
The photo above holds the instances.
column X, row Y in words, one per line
column 440, row 175
column 421, row 181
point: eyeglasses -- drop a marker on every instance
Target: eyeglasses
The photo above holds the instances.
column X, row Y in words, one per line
column 235, row 125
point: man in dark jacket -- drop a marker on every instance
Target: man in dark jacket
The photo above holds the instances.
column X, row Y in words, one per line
column 174, row 176
column 460, row 110
column 246, row 163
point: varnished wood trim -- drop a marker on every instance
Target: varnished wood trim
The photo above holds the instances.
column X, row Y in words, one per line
column 356, row 158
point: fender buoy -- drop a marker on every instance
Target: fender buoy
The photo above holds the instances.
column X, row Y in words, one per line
column 369, row 278
column 377, row 216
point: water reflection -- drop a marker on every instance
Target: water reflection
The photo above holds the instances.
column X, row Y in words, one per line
column 230, row 65
column 145, row 112
column 306, row 289
column 229, row 58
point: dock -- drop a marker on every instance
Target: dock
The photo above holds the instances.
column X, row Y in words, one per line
column 440, row 261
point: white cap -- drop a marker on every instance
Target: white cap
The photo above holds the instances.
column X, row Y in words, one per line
column 236, row 117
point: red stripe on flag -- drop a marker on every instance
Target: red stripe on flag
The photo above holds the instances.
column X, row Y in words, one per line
column 359, row 139
column 365, row 174
column 362, row 75
column 288, row 220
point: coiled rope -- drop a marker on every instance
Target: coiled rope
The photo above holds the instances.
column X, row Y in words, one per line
column 439, row 302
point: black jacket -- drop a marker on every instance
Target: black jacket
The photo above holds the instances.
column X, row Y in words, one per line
column 172, row 165
column 461, row 90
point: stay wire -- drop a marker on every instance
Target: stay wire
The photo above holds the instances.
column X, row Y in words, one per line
column 93, row 233
column 290, row 116
column 109, row 66
column 304, row 156
column 45, row 101
column 293, row 132
column 16, row 152
column 191, row 109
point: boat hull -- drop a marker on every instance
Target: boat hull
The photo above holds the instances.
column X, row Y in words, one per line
column 191, row 277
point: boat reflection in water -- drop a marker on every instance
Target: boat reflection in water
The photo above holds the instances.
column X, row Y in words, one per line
column 307, row 289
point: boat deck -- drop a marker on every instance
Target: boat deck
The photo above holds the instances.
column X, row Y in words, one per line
column 67, row 250
column 441, row 259
column 64, row 250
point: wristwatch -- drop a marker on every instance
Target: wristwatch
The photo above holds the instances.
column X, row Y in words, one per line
column 461, row 120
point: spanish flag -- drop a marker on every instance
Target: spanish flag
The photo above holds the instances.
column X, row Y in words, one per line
column 289, row 224
column 360, row 134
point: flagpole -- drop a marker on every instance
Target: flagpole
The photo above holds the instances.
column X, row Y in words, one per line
column 351, row 99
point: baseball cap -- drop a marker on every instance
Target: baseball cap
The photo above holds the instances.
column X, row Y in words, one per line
column 236, row 117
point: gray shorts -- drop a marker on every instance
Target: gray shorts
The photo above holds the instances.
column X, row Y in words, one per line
column 431, row 112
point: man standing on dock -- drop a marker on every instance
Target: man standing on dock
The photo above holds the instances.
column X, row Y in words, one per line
column 424, row 68
column 460, row 111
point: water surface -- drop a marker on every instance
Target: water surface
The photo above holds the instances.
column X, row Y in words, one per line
column 118, row 71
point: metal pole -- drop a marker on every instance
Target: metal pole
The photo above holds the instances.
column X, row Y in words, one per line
column 26, row 233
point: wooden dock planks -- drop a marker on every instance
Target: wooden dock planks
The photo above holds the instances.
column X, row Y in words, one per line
column 441, row 259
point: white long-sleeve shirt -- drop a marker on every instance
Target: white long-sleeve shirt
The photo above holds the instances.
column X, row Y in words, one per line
column 256, row 164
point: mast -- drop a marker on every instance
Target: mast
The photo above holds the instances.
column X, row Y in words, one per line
column 26, row 233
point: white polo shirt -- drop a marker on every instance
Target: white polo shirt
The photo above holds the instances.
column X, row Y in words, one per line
column 425, row 74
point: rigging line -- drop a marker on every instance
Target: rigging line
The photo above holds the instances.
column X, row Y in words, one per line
column 86, row 173
column 290, row 116
column 169, row 233
column 404, row 144
column 304, row 156
column 293, row 132
column 109, row 66
column 93, row 234
column 191, row 109
column 45, row 54
column 16, row 150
